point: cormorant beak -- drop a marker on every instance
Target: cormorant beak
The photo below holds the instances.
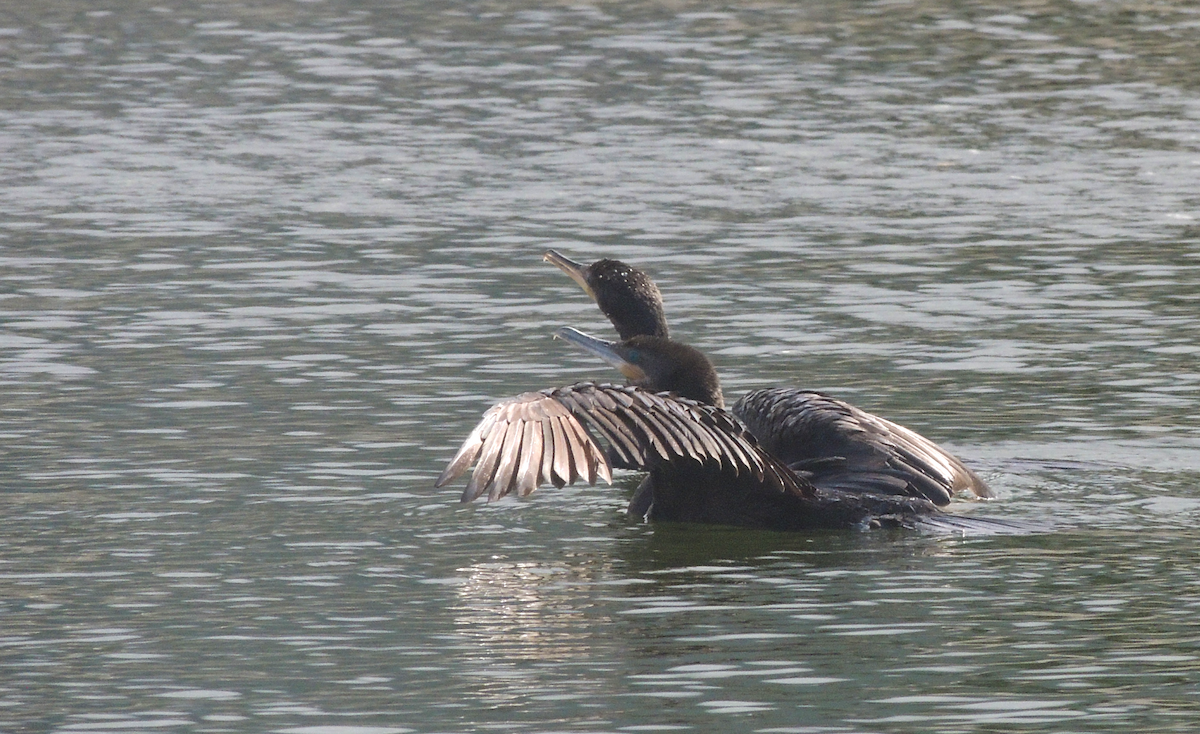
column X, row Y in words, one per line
column 578, row 271
column 606, row 351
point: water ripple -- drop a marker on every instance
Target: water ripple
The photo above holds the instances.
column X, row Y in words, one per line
column 264, row 264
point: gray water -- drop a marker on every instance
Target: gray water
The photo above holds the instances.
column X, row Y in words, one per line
column 264, row 264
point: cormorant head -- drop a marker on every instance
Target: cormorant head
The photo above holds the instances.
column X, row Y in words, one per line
column 655, row 364
column 625, row 294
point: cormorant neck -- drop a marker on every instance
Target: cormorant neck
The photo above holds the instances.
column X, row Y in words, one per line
column 674, row 367
column 656, row 364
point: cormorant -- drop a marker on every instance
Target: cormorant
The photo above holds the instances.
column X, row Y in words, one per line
column 830, row 442
column 704, row 464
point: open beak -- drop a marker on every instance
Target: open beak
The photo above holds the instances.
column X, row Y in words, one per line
column 606, row 351
column 578, row 271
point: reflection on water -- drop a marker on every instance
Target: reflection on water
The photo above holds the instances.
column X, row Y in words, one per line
column 513, row 604
column 519, row 621
column 263, row 265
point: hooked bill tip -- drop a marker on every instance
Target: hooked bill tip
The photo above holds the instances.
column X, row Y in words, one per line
column 578, row 272
column 556, row 257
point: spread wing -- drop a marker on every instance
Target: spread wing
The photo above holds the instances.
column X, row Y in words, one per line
column 838, row 446
column 552, row 436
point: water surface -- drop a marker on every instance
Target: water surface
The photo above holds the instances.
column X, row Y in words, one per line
column 262, row 267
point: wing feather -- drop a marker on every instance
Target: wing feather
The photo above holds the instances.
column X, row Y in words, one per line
column 739, row 460
column 561, row 460
column 709, row 446
column 842, row 447
column 645, row 431
column 547, row 473
column 507, row 463
column 529, row 475
column 687, row 431
column 665, row 442
column 485, row 469
column 577, row 441
column 618, row 434
column 551, row 437
column 468, row 452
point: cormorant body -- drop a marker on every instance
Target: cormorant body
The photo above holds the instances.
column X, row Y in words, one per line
column 828, row 441
column 703, row 464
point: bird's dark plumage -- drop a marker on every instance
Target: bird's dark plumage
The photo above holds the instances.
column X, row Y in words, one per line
column 839, row 446
column 547, row 437
column 834, row 444
column 704, row 466
column 782, row 459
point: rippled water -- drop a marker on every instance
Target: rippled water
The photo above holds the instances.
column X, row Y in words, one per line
column 264, row 264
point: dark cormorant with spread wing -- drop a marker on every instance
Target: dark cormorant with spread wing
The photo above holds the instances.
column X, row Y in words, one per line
column 830, row 442
column 703, row 463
